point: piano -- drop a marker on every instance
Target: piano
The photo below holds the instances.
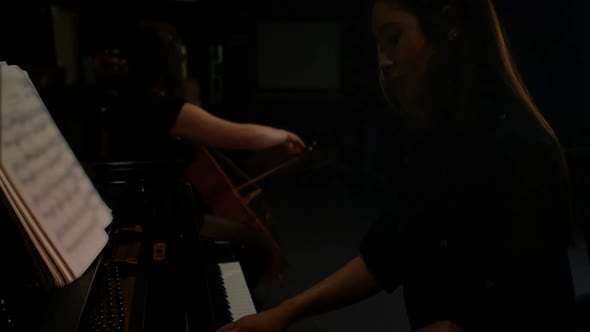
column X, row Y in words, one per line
column 156, row 273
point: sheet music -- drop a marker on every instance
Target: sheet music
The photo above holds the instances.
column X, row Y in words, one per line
column 36, row 157
column 44, row 249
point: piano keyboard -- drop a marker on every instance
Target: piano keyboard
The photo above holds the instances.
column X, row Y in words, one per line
column 237, row 294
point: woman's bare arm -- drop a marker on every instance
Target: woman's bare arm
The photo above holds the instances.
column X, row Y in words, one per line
column 197, row 125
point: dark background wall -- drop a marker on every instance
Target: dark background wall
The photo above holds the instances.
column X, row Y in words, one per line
column 548, row 43
column 308, row 66
column 319, row 55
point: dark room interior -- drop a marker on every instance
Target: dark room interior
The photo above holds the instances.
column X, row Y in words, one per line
column 307, row 66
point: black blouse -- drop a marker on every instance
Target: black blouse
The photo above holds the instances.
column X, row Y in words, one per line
column 479, row 230
column 138, row 126
column 115, row 124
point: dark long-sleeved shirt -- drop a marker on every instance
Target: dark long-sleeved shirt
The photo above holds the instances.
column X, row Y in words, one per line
column 479, row 231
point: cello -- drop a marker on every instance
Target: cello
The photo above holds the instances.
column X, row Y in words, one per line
column 232, row 215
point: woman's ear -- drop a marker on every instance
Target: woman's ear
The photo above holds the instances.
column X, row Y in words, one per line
column 448, row 17
column 449, row 12
column 453, row 33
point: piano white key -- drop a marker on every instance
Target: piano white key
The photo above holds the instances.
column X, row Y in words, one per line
column 238, row 294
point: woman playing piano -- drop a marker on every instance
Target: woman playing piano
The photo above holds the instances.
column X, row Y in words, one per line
column 479, row 235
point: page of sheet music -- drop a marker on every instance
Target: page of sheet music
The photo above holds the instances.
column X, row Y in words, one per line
column 45, row 172
column 44, row 249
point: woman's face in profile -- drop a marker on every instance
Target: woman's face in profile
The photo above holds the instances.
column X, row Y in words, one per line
column 404, row 51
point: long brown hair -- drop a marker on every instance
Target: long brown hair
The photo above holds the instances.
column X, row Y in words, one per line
column 473, row 56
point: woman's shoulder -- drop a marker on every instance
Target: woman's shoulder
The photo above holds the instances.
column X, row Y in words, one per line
column 518, row 129
column 525, row 138
column 146, row 107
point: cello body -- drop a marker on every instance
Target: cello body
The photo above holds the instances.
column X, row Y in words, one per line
column 227, row 203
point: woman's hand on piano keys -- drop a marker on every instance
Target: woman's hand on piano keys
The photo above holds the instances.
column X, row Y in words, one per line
column 272, row 320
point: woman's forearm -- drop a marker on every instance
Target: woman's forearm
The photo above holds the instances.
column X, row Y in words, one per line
column 197, row 125
column 350, row 284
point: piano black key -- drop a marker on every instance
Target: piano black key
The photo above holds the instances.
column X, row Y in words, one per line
column 238, row 295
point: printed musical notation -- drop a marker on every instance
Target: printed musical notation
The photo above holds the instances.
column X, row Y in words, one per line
column 45, row 177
